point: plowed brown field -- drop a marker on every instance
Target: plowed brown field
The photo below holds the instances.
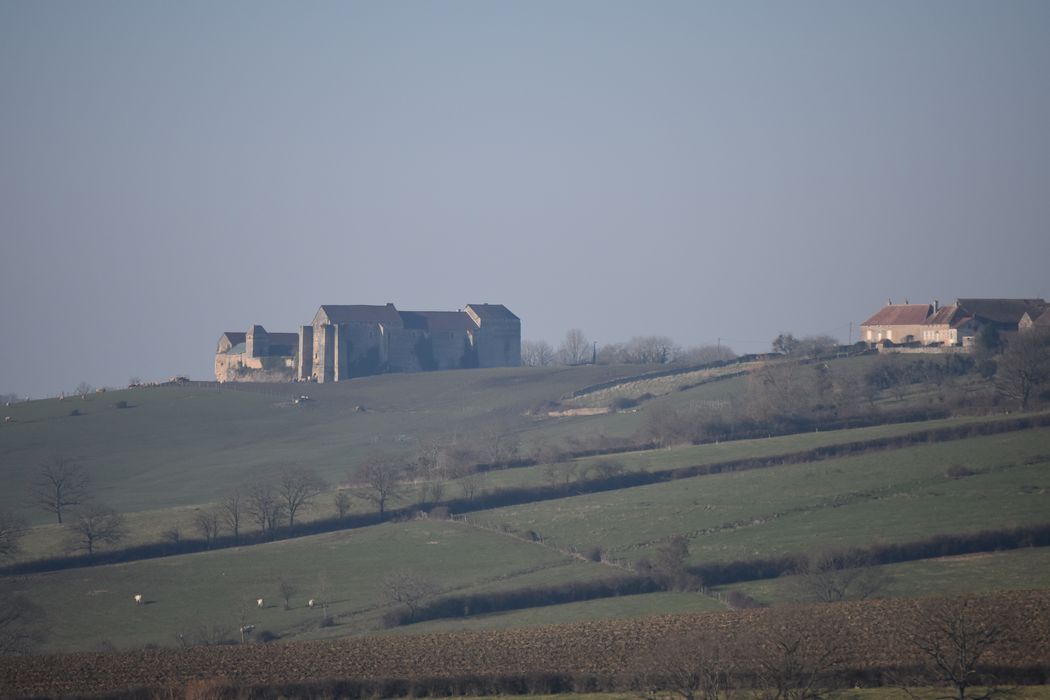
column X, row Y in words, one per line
column 870, row 634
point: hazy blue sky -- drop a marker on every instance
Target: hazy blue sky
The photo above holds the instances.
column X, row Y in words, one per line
column 172, row 170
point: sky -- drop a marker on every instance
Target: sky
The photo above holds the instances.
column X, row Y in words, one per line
column 709, row 171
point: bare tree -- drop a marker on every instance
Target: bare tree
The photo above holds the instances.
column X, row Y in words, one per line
column 323, row 587
column 560, row 473
column 263, row 505
column 473, row 485
column 23, row 624
column 650, row 349
column 231, row 510
column 669, row 565
column 1024, row 366
column 575, row 349
column 173, row 535
column 297, row 487
column 60, row 484
column 409, row 589
column 342, row 503
column 831, row 576
column 952, row 636
column 83, row 389
column 794, row 658
column 785, row 344
column 94, row 525
column 12, row 528
column 207, row 524
column 705, row 354
column 816, row 346
column 498, row 444
column 286, row 589
column 380, row 480
column 690, row 666
column 536, row 353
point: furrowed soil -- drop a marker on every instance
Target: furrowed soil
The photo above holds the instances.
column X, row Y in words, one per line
column 871, row 637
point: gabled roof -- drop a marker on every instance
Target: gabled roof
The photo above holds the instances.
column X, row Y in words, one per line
column 361, row 313
column 1043, row 319
column 1004, row 311
column 283, row 338
column 495, row 312
column 951, row 316
column 233, row 337
column 438, row 320
column 900, row 315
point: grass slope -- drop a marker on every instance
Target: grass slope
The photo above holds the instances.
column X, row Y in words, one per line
column 93, row 607
column 897, row 495
column 186, row 445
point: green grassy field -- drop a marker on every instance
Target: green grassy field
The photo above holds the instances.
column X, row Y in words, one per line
column 893, row 496
column 93, row 606
column 177, row 446
column 178, row 449
column 147, row 526
column 1019, row 569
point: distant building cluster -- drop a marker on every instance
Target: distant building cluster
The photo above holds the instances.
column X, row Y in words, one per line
column 359, row 340
column 954, row 326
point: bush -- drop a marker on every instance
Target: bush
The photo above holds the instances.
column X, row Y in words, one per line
column 958, row 471
column 738, row 600
column 621, row 403
column 121, row 404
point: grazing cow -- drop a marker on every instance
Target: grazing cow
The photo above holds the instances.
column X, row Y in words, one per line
column 138, row 599
column 259, row 602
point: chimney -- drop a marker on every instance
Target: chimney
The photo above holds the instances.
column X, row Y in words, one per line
column 889, row 302
column 936, row 305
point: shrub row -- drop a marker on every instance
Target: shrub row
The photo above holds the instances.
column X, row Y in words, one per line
column 520, row 598
column 928, row 548
column 549, row 683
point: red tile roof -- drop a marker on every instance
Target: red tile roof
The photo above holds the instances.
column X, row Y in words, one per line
column 900, row 315
column 951, row 316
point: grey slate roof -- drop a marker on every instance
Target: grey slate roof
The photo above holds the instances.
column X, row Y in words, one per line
column 1002, row 311
column 438, row 320
column 492, row 311
column 361, row 313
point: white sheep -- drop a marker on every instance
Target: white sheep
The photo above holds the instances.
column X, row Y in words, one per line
column 310, row 603
column 138, row 599
column 259, row 602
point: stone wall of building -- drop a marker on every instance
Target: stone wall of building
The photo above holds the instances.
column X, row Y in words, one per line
column 353, row 341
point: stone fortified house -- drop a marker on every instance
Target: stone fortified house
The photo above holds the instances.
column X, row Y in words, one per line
column 359, row 340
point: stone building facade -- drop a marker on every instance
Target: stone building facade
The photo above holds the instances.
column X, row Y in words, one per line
column 344, row 341
column 955, row 325
column 255, row 356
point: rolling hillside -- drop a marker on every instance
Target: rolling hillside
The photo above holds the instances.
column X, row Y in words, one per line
column 175, row 450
